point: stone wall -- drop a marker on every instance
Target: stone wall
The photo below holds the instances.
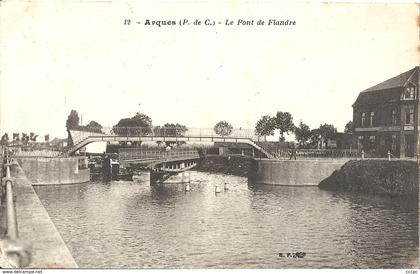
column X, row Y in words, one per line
column 303, row 172
column 230, row 165
column 35, row 227
column 49, row 171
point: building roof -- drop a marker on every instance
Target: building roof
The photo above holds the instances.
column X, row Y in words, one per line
column 397, row 81
column 388, row 91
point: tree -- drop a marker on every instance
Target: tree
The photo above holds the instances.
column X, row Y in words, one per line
column 25, row 139
column 322, row 134
column 93, row 126
column 327, row 131
column 16, row 137
column 71, row 123
column 177, row 130
column 302, row 134
column 174, row 129
column 158, row 131
column 47, row 138
column 315, row 138
column 33, row 136
column 223, row 128
column 349, row 128
column 4, row 139
column 265, row 126
column 72, row 120
column 284, row 123
column 138, row 125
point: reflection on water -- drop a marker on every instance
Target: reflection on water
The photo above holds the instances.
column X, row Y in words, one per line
column 132, row 224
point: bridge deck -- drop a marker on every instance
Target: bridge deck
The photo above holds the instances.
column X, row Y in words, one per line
column 85, row 138
column 157, row 161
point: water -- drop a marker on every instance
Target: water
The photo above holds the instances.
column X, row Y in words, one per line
column 132, row 224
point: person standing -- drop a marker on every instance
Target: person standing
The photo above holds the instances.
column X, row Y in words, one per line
column 292, row 153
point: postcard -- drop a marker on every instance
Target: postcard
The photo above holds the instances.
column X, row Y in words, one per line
column 209, row 135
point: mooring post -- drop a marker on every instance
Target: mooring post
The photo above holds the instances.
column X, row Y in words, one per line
column 363, row 154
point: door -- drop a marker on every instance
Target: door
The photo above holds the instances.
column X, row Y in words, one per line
column 409, row 145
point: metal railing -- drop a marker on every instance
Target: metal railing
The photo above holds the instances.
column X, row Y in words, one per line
column 165, row 132
column 11, row 224
column 317, row 153
column 7, row 187
column 39, row 153
column 138, row 154
column 14, row 252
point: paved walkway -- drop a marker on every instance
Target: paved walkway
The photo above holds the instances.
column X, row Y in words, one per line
column 36, row 228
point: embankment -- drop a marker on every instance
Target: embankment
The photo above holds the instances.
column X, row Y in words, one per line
column 301, row 172
column 395, row 178
column 230, row 165
column 36, row 228
column 55, row 170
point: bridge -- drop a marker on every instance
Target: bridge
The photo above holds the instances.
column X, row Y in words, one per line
column 175, row 161
column 82, row 138
column 157, row 163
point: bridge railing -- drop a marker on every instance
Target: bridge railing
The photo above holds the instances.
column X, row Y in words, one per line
column 79, row 135
column 137, row 154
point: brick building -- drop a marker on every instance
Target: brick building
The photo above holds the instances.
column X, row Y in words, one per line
column 386, row 116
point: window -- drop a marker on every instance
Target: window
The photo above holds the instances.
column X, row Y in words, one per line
column 394, row 117
column 372, row 142
column 394, row 142
column 409, row 115
column 410, row 93
column 363, row 119
column 372, row 115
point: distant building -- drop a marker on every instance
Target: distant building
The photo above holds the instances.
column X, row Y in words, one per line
column 341, row 140
column 386, row 116
column 58, row 143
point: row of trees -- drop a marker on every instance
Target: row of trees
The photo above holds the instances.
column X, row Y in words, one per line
column 304, row 135
column 282, row 121
column 21, row 138
column 73, row 121
column 141, row 124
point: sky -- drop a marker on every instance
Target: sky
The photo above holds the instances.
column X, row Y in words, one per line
column 56, row 56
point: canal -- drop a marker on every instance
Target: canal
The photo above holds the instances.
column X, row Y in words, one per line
column 133, row 224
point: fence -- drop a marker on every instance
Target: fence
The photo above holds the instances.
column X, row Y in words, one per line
column 34, row 151
column 317, row 153
column 136, row 153
column 17, row 256
column 38, row 153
